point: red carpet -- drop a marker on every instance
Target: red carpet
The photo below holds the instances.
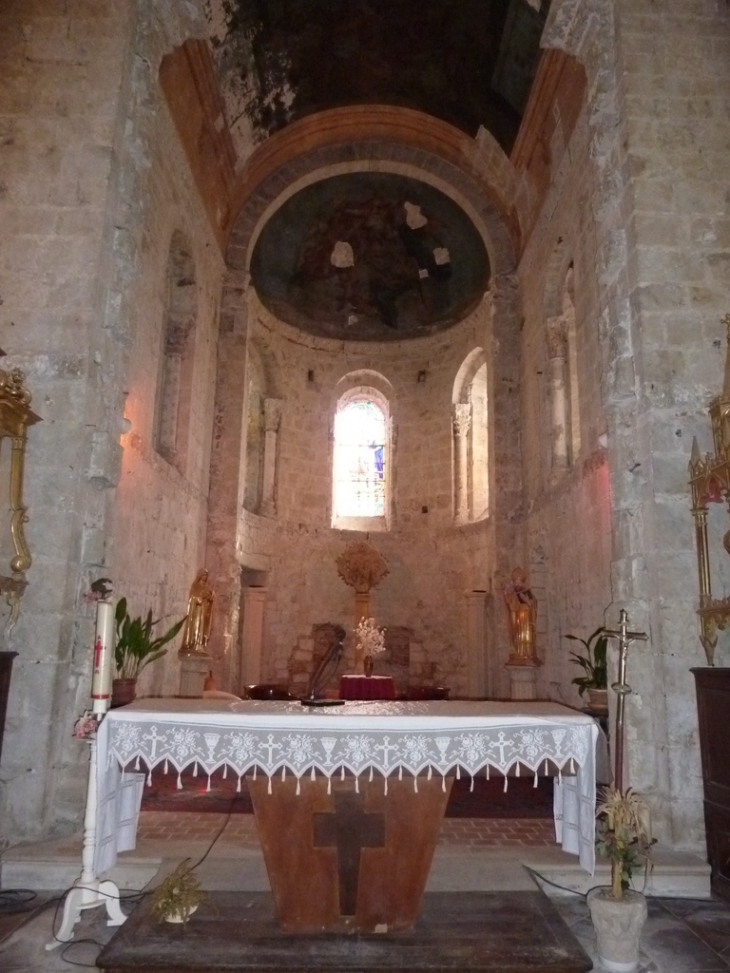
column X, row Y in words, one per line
column 486, row 800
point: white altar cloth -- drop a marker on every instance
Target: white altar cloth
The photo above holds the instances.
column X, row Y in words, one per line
column 434, row 737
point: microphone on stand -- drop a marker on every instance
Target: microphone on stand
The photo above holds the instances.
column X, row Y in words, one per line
column 328, row 666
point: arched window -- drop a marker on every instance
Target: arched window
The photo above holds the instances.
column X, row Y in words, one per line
column 360, row 461
column 172, row 425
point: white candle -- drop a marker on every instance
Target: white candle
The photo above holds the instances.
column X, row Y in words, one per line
column 101, row 680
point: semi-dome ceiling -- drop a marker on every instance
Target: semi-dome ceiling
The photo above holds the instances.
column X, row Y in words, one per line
column 467, row 62
column 370, row 256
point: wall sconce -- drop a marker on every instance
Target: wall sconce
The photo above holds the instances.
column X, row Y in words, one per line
column 15, row 418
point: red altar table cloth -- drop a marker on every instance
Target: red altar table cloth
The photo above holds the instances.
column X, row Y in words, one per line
column 367, row 687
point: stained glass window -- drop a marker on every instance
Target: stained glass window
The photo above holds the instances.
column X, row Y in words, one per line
column 360, row 460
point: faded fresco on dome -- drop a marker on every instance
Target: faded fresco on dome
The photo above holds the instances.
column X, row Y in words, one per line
column 370, row 256
column 467, row 62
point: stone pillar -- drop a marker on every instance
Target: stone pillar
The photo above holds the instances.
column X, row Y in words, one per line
column 362, row 605
column 557, row 342
column 476, row 643
column 522, row 682
column 194, row 667
column 254, row 600
column 272, row 418
column 462, row 423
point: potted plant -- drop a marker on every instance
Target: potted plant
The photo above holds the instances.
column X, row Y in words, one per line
column 135, row 647
column 178, row 896
column 594, row 680
column 619, row 912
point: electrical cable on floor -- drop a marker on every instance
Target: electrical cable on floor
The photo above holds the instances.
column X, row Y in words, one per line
column 563, row 888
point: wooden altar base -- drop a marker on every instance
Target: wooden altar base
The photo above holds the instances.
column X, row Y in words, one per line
column 235, row 932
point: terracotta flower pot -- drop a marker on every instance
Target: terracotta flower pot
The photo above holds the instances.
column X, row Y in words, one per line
column 123, row 692
column 598, row 699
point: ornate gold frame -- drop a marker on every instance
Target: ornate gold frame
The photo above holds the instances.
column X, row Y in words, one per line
column 15, row 418
column 710, row 482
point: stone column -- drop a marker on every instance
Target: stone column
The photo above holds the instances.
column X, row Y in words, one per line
column 272, row 418
column 476, row 643
column 254, row 600
column 194, row 667
column 522, row 682
column 462, row 423
column 557, row 342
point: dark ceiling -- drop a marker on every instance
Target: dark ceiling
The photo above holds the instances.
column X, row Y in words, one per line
column 370, row 256
column 467, row 62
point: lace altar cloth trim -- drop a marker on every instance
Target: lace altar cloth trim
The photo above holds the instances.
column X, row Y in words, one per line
column 387, row 738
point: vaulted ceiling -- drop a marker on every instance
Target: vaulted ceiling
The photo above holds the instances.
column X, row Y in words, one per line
column 466, row 62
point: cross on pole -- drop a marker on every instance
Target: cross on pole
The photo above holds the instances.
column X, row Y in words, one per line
column 349, row 829
column 622, row 689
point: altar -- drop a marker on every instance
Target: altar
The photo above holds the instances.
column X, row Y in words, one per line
column 348, row 799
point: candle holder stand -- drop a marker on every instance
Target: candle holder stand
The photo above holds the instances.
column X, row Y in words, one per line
column 89, row 891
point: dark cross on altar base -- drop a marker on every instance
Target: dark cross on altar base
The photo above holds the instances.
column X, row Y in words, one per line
column 622, row 689
column 348, row 829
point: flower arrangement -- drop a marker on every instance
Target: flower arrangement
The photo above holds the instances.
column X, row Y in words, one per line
column 370, row 638
column 178, row 896
column 624, row 835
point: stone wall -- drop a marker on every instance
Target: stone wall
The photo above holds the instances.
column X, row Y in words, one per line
column 676, row 98
column 93, row 186
column 657, row 115
column 568, row 530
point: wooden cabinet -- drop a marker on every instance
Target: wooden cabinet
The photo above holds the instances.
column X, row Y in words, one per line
column 713, row 706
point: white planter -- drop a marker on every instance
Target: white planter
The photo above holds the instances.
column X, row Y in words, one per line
column 618, row 924
column 177, row 916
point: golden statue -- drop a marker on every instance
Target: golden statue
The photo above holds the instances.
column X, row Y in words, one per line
column 196, row 630
column 522, row 607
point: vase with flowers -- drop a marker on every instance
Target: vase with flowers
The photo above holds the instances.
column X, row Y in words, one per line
column 370, row 641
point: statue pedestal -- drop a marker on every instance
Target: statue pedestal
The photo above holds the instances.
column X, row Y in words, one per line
column 522, row 681
column 193, row 671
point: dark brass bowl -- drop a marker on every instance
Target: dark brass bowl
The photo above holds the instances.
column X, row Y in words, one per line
column 268, row 690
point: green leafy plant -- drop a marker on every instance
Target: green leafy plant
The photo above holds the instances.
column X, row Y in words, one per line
column 135, row 646
column 593, row 663
column 178, row 895
column 623, row 835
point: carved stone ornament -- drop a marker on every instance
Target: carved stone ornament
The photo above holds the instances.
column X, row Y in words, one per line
column 361, row 566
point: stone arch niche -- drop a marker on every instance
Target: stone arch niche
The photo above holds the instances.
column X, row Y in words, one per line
column 471, row 454
column 412, row 145
column 174, row 389
column 563, row 381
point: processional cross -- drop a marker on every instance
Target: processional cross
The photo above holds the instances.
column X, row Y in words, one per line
column 622, row 689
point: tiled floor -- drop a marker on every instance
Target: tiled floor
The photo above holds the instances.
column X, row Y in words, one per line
column 474, row 832
column 680, row 936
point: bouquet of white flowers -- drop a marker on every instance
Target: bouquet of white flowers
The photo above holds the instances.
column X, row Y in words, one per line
column 370, row 638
